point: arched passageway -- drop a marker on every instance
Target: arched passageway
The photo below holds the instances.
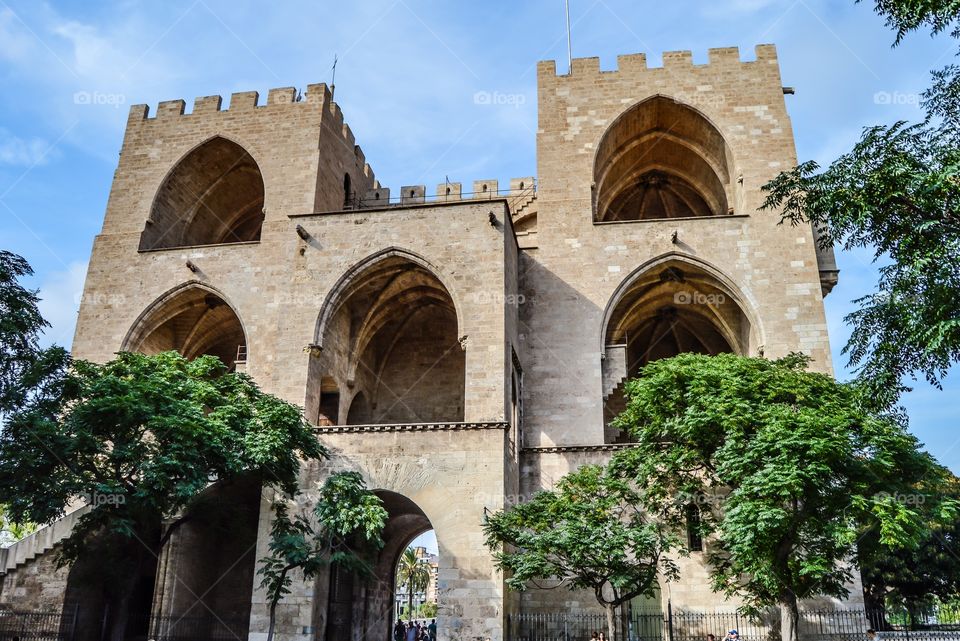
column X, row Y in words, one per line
column 662, row 159
column 207, row 569
column 194, row 579
column 360, row 608
column 213, row 195
column 193, row 321
column 389, row 349
column 674, row 307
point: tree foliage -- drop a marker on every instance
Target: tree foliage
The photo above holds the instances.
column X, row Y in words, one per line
column 589, row 533
column 904, row 16
column 345, row 525
column 896, row 193
column 25, row 367
column 788, row 466
column 414, row 573
column 141, row 437
column 916, row 578
column 11, row 532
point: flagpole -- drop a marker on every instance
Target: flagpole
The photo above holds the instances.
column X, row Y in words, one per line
column 569, row 41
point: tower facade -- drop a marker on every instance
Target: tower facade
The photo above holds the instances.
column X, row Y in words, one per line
column 462, row 349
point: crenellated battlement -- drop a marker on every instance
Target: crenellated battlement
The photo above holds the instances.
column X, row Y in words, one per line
column 520, row 192
column 724, row 57
column 244, row 102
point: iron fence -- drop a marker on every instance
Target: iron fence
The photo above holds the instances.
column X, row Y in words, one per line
column 37, row 626
column 682, row 625
column 209, row 628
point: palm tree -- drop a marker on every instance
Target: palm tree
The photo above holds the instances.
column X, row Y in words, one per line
column 414, row 573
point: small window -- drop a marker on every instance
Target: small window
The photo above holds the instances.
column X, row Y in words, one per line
column 694, row 536
column 347, row 192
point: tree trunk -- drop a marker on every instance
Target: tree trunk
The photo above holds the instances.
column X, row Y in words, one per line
column 409, row 600
column 789, row 618
column 274, row 600
column 273, row 620
column 611, row 621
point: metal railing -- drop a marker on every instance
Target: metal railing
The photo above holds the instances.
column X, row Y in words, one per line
column 515, row 197
column 207, row 628
column 37, row 626
column 685, row 625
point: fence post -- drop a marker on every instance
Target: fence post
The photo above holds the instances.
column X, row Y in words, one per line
column 73, row 624
column 670, row 620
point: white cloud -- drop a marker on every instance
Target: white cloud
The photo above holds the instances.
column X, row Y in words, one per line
column 22, row 152
column 60, row 294
column 14, row 43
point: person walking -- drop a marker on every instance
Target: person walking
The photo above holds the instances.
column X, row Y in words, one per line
column 411, row 631
column 432, row 629
column 399, row 630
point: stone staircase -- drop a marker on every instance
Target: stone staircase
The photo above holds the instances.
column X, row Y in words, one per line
column 38, row 543
column 614, row 376
column 613, row 404
column 521, row 202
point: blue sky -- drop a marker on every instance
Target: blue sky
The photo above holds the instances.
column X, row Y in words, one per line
column 407, row 77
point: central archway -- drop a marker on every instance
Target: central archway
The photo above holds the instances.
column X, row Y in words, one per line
column 360, row 608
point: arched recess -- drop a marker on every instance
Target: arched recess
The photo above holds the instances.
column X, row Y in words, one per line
column 208, row 567
column 213, row 195
column 388, row 332
column 662, row 159
column 671, row 305
column 358, row 608
column 193, row 319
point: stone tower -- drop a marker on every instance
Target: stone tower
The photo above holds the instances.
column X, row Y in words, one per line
column 460, row 349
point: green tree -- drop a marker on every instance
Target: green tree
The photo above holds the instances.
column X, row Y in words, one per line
column 141, row 437
column 25, row 367
column 347, row 523
column 11, row 532
column 791, row 466
column 590, row 533
column 429, row 610
column 916, row 578
column 896, row 193
column 413, row 573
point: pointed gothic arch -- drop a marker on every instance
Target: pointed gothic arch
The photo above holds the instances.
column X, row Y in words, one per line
column 389, row 329
column 662, row 158
column 193, row 319
column 213, row 195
